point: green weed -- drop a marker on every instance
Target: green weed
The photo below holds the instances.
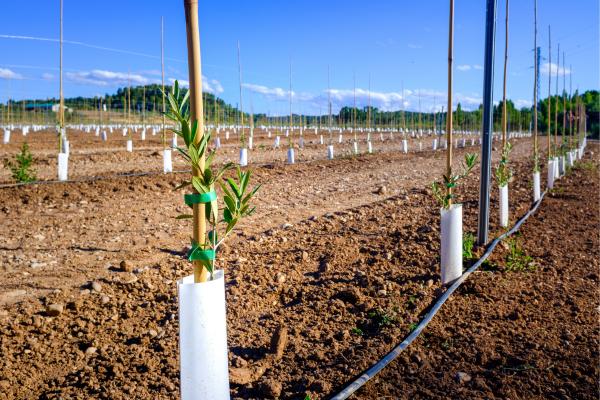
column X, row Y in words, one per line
column 22, row 167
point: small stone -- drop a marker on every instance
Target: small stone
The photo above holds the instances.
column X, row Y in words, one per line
column 90, row 350
column 462, row 377
column 96, row 287
column 125, row 266
column 304, row 256
column 270, row 388
column 286, row 226
column 430, row 283
column 37, row 321
column 280, row 277
column 104, row 299
column 36, row 264
column 152, row 333
column 85, row 292
column 313, row 218
column 382, row 292
column 381, row 190
column 54, row 310
column 389, row 255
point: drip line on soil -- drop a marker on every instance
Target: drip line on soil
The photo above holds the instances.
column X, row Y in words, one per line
column 395, row 352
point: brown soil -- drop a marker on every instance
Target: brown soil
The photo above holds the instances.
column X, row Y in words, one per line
column 354, row 267
column 520, row 335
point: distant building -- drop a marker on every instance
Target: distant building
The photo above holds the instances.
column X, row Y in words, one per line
column 45, row 107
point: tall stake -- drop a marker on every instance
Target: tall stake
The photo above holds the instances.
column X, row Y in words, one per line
column 196, row 115
column 556, row 102
column 162, row 68
column 504, row 84
column 535, row 83
column 564, row 96
column 61, row 102
column 241, row 104
column 549, row 133
column 449, row 113
column 488, row 126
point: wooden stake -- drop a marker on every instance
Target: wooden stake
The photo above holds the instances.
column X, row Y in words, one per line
column 61, row 102
column 535, row 82
column 449, row 112
column 162, row 67
column 556, row 101
column 196, row 114
column 549, row 133
column 504, row 84
column 241, row 103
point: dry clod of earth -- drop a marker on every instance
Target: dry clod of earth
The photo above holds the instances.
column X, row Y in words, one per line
column 54, row 310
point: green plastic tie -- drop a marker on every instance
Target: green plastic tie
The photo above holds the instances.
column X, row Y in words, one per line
column 197, row 254
column 197, row 198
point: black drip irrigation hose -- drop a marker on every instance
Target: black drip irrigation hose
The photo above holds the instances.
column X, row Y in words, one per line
column 392, row 355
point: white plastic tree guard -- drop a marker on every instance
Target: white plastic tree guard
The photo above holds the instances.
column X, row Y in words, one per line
column 143, row 134
column 6, row 137
column 330, row 152
column 556, row 168
column 204, row 373
column 250, row 142
column 435, row 144
column 451, row 237
column 277, row 141
column 63, row 166
column 301, row 142
column 243, row 157
column 290, row 156
column 550, row 183
column 226, row 135
column 536, row 186
column 167, row 161
column 104, row 136
column 355, row 147
column 340, row 138
column 174, row 141
column 130, row 145
column 404, row 146
column 321, row 139
column 504, row 206
column 369, row 147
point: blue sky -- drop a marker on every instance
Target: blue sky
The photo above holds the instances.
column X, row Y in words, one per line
column 399, row 45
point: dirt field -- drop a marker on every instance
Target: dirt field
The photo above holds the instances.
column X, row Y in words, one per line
column 342, row 253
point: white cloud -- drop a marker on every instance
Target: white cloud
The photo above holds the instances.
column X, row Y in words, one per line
column 100, row 77
column 553, row 68
column 468, row 67
column 6, row 73
column 414, row 46
column 520, row 103
column 208, row 85
column 47, row 76
column 211, row 85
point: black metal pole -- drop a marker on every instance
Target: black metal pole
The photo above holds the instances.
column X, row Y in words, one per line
column 488, row 125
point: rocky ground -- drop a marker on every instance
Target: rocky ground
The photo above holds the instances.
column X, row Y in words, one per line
column 339, row 261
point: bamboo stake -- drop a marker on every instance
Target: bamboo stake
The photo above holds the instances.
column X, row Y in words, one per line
column 241, row 103
column 549, row 94
column 449, row 112
column 556, row 101
column 61, row 101
column 504, row 134
column 564, row 94
column 291, row 116
column 196, row 115
column 535, row 80
column 570, row 107
column 162, row 67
